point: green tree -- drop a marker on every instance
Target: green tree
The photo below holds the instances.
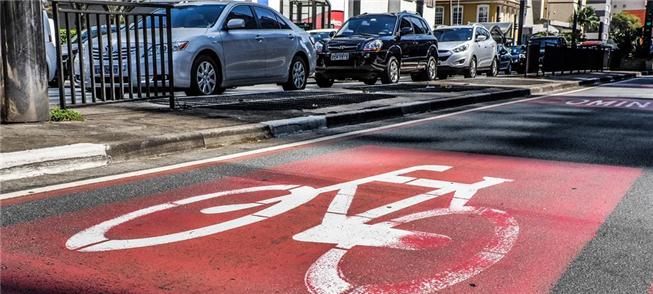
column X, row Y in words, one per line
column 624, row 30
column 587, row 19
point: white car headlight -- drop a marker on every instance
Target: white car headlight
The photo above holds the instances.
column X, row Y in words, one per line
column 319, row 47
column 373, row 46
column 176, row 46
column 460, row 48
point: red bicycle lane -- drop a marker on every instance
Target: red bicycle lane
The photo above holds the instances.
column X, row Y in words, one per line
column 557, row 206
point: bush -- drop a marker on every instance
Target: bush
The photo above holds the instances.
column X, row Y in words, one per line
column 63, row 36
column 59, row 114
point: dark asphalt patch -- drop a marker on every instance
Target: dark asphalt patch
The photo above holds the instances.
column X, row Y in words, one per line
column 619, row 259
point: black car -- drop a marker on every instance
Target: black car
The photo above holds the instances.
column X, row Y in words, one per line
column 378, row 46
column 518, row 58
column 505, row 59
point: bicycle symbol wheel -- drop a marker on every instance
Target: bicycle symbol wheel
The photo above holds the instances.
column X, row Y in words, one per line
column 326, row 277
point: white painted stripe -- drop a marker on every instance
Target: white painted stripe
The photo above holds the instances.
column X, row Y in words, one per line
column 51, row 188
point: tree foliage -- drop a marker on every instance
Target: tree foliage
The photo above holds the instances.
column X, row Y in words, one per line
column 624, row 30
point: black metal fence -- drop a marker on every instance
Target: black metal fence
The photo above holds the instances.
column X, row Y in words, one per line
column 118, row 54
column 562, row 59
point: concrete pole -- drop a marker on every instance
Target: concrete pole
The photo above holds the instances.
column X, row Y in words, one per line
column 25, row 92
column 520, row 28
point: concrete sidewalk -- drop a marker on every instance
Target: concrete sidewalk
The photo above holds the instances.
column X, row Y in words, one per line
column 126, row 130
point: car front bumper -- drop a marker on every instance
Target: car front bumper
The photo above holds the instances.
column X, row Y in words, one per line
column 182, row 63
column 359, row 65
column 453, row 62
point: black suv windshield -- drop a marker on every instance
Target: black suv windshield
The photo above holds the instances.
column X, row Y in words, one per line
column 203, row 16
column 369, row 25
column 452, row 35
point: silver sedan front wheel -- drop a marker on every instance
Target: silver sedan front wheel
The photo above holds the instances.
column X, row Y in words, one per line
column 206, row 78
column 297, row 75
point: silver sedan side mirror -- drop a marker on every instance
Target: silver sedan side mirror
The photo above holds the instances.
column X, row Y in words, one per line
column 236, row 23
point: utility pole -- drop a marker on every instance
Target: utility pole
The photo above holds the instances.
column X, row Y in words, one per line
column 520, row 28
column 420, row 7
column 574, row 30
column 25, row 94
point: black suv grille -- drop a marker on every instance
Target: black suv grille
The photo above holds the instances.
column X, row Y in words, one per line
column 342, row 48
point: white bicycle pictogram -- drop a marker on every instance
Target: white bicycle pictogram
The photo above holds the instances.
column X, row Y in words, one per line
column 340, row 229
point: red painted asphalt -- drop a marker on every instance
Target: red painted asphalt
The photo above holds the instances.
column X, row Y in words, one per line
column 557, row 206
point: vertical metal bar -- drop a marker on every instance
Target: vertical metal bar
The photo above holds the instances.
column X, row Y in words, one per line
column 138, row 56
column 171, row 78
column 154, row 64
column 110, row 53
column 161, row 55
column 129, row 58
column 120, row 57
column 91, row 66
column 98, row 27
column 71, row 68
column 145, row 56
column 62, row 94
column 80, row 52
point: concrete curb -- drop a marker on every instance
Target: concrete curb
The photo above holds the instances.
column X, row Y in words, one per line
column 61, row 159
column 168, row 143
column 52, row 160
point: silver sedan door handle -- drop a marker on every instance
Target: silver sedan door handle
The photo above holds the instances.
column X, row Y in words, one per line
column 291, row 36
column 259, row 38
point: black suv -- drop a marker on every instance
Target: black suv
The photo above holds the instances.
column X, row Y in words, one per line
column 373, row 46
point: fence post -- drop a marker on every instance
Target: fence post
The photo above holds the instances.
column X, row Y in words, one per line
column 25, row 95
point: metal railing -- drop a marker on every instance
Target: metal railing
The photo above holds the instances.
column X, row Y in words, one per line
column 126, row 54
column 562, row 59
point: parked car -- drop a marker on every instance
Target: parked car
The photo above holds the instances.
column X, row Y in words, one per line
column 548, row 41
column 505, row 59
column 467, row 50
column 74, row 45
column 378, row 46
column 227, row 44
column 50, row 48
column 518, row 54
column 322, row 34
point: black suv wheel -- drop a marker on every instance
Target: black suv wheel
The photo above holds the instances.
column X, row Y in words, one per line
column 392, row 71
column 323, row 82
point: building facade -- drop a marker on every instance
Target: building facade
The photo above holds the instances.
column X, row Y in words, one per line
column 634, row 7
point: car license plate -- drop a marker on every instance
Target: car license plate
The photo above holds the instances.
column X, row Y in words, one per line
column 107, row 69
column 340, row 56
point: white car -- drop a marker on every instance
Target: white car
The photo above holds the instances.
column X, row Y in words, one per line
column 322, row 34
column 467, row 50
column 50, row 49
column 217, row 45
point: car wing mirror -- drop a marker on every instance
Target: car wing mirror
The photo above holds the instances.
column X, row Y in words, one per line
column 480, row 38
column 406, row 31
column 236, row 23
column 331, row 34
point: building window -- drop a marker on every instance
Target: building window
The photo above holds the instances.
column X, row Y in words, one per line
column 439, row 15
column 482, row 13
column 430, row 3
column 457, row 12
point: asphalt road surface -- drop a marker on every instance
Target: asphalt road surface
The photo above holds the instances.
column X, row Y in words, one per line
column 546, row 194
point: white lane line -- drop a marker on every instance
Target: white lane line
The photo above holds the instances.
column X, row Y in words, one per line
column 73, row 184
